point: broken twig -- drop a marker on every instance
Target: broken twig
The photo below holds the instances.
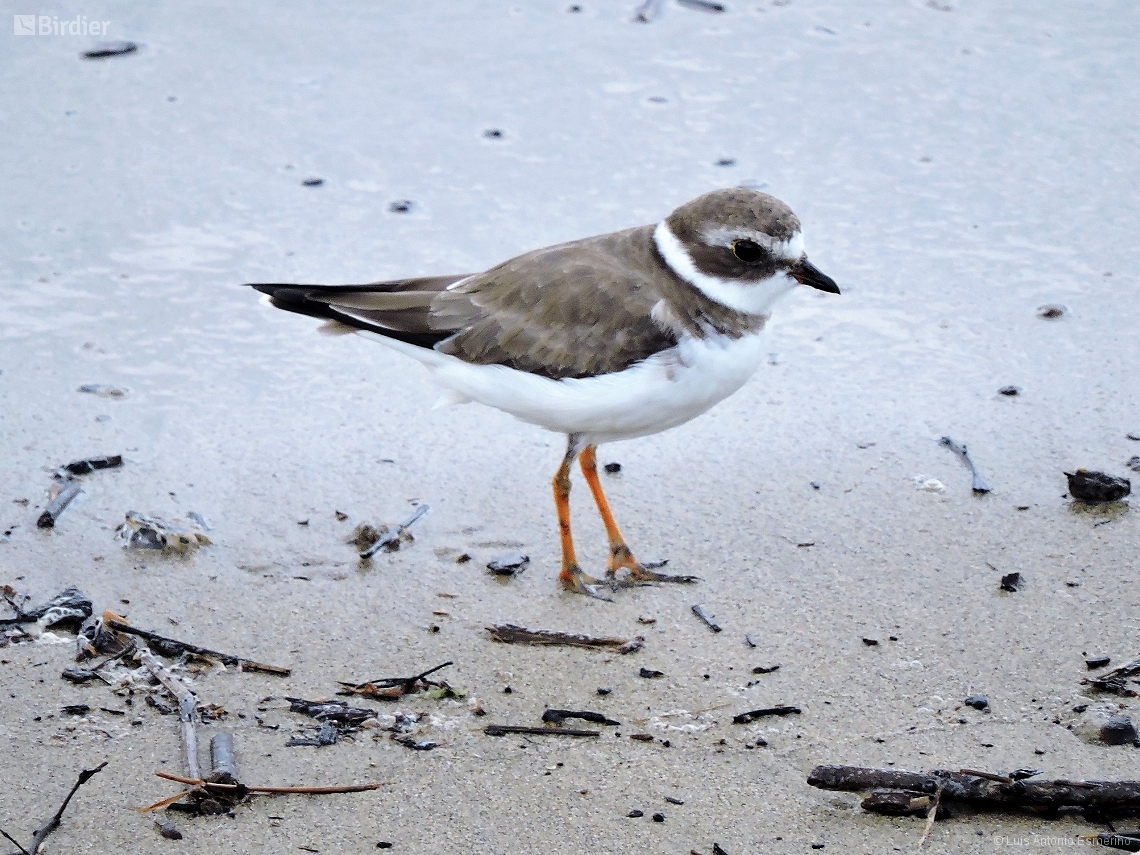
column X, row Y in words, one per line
column 392, row 688
column 173, row 647
column 316, row 791
column 556, row 717
column 745, row 718
column 56, row 506
column 983, row 790
column 699, row 611
column 223, row 769
column 52, row 823
column 979, row 486
column 504, row 729
column 89, row 464
column 511, row 634
column 187, row 709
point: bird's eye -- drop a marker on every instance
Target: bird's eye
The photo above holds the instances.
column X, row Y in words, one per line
column 747, row 251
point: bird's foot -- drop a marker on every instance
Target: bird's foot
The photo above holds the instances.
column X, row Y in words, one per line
column 629, row 573
column 573, row 579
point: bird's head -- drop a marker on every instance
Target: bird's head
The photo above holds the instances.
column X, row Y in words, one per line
column 739, row 247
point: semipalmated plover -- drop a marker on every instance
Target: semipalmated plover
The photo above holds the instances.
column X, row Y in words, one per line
column 605, row 338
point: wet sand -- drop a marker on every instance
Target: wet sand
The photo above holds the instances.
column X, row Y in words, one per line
column 954, row 170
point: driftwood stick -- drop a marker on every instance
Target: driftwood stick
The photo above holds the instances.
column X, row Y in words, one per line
column 223, row 768
column 56, row 506
column 174, row 647
column 52, row 824
column 209, row 785
column 983, row 791
column 187, row 709
column 504, row 729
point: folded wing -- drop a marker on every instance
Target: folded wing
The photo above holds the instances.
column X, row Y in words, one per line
column 573, row 310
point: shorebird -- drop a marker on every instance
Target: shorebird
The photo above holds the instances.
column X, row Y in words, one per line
column 605, row 338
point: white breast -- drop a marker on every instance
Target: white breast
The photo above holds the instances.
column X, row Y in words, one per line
column 663, row 391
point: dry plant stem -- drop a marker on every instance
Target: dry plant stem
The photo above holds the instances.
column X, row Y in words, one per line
column 48, row 827
column 930, row 815
column 187, row 709
column 13, row 841
column 198, row 782
column 184, row 646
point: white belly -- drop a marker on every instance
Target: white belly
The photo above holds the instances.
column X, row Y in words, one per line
column 663, row 391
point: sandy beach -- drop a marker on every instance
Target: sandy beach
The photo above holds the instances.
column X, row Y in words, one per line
column 957, row 166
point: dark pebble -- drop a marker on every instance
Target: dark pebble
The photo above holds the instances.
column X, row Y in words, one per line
column 313, row 182
column 649, row 673
column 658, row 817
column 401, row 206
column 978, row 702
column 1009, row 391
column 574, row 9
column 717, row 850
column 871, row 642
column 815, row 485
column 1051, row 311
column 1135, row 436
column 1097, row 662
column 674, row 801
column 1097, row 486
column 463, row 559
column 1133, row 463
column 817, row 846
column 612, row 468
column 726, row 161
column 1080, row 708
column 635, row 814
column 1118, row 730
column 1010, row 582
column 507, row 690
column 493, row 134
column 106, row 49
column 383, row 844
column 509, row 564
column 605, row 690
column 765, row 669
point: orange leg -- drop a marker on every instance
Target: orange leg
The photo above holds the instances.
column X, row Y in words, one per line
column 621, row 558
column 572, row 577
column 620, row 555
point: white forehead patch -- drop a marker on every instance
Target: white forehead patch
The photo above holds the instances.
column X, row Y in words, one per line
column 791, row 249
column 752, row 298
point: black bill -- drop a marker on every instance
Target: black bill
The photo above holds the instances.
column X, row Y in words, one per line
column 806, row 273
